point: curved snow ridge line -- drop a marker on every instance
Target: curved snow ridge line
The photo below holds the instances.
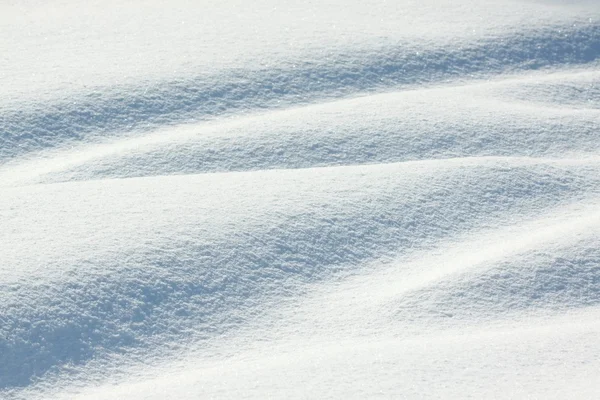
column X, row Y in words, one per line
column 503, row 163
column 563, row 227
column 113, row 110
column 308, row 321
column 365, row 130
column 560, row 274
column 48, row 171
column 197, row 283
column 266, row 372
column 432, row 285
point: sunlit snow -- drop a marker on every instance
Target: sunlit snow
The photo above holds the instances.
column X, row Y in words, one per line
column 326, row 199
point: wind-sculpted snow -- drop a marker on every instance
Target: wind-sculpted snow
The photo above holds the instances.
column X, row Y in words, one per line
column 391, row 127
column 404, row 210
column 30, row 126
column 206, row 260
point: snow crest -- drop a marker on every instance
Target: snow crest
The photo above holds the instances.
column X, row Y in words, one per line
column 347, row 209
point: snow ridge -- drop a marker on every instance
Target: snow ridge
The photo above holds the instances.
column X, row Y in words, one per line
column 112, row 110
column 406, row 216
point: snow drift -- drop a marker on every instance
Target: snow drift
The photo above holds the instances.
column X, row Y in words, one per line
column 311, row 200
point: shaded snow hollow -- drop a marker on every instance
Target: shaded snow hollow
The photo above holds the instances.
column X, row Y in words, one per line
column 310, row 200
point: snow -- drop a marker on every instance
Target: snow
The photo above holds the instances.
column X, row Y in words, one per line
column 310, row 200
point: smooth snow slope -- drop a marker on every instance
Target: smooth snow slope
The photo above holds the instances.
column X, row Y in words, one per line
column 310, row 200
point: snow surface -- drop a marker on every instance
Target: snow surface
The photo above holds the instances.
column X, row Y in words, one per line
column 387, row 199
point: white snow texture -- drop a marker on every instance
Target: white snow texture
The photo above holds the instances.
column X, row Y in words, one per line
column 300, row 200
